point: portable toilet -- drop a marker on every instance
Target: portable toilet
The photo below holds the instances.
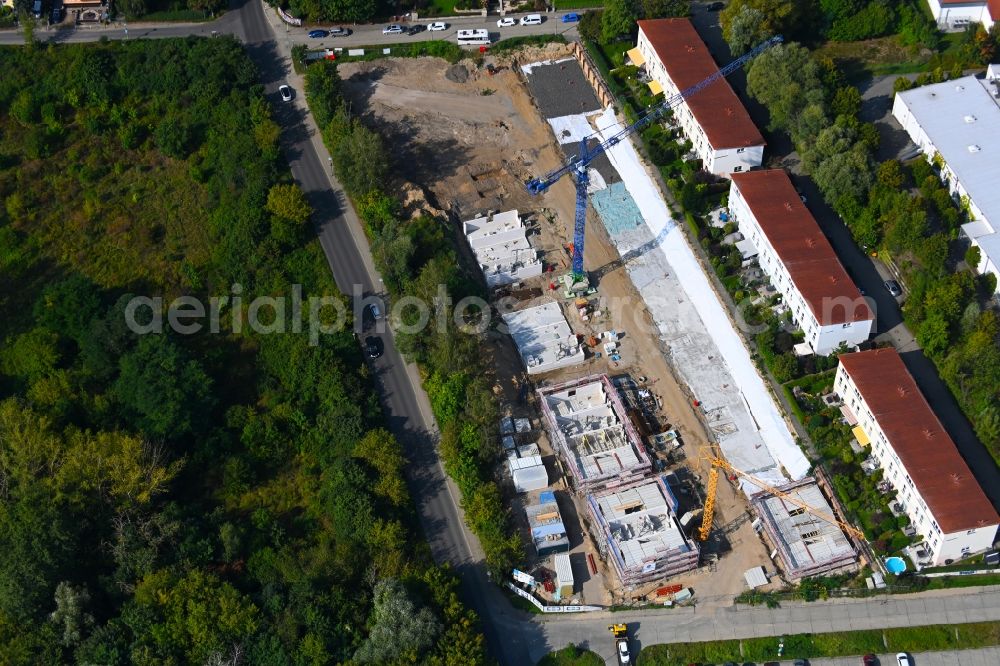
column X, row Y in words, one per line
column 564, row 576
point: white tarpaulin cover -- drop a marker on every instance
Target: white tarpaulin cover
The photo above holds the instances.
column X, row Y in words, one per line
column 704, row 345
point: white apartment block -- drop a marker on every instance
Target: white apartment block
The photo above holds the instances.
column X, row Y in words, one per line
column 959, row 122
column 796, row 256
column 933, row 483
column 719, row 128
column 957, row 14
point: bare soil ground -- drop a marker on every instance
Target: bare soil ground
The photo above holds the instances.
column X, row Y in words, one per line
column 465, row 147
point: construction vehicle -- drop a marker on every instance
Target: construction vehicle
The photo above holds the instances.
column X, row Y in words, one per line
column 713, row 482
column 579, row 164
column 620, row 632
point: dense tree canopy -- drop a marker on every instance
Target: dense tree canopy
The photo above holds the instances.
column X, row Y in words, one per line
column 211, row 497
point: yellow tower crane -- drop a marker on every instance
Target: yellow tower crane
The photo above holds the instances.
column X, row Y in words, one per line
column 713, row 482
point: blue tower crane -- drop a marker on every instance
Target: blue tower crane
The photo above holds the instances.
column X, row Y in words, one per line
column 578, row 165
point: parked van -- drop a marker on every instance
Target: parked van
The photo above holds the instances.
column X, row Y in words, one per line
column 531, row 19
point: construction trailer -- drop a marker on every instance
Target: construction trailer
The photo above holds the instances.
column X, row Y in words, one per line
column 564, row 576
column 548, row 533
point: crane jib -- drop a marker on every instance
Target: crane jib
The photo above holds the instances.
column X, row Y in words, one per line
column 579, row 163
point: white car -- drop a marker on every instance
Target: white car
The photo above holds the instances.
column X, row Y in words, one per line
column 392, row 29
column 437, row 26
column 507, row 22
column 285, row 92
column 903, row 660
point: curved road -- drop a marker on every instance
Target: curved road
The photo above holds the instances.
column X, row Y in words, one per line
column 514, row 637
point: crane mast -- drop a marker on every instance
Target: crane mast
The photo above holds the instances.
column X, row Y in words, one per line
column 579, row 164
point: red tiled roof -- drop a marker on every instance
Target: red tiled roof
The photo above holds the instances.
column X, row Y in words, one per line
column 994, row 6
column 803, row 249
column 687, row 61
column 940, row 474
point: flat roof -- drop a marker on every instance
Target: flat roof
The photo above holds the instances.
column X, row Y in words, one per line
column 808, row 544
column 801, row 246
column 592, row 428
column 962, row 119
column 546, row 524
column 642, row 523
column 502, row 249
column 930, row 457
column 687, row 60
column 543, row 338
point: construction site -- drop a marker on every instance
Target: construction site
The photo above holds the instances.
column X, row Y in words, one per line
column 620, row 390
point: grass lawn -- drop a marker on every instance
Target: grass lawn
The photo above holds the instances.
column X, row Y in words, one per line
column 872, row 57
column 563, row 5
column 571, row 655
column 443, row 7
column 836, row 644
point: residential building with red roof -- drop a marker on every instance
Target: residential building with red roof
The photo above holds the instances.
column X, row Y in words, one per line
column 799, row 260
column 934, row 484
column 714, row 120
column 957, row 14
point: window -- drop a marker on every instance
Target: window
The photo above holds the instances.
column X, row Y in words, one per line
column 740, row 150
column 739, row 168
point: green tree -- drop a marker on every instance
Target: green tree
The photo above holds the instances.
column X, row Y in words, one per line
column 746, row 27
column 401, row 629
column 70, row 614
column 786, row 79
column 132, row 9
column 654, row 9
column 290, row 210
column 973, row 257
column 33, row 355
column 190, row 618
column 618, row 18
column 167, row 393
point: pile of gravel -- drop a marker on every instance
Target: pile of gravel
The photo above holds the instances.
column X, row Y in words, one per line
column 457, row 73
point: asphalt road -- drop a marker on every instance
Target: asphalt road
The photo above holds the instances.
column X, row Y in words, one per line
column 514, row 637
column 406, row 405
column 229, row 23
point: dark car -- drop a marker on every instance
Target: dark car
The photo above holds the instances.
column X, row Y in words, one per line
column 318, row 34
column 373, row 347
column 414, row 29
column 893, row 288
column 340, row 32
column 869, row 660
column 716, row 6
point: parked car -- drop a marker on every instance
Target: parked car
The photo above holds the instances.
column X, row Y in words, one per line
column 318, row 34
column 371, row 314
column 902, row 659
column 414, row 29
column 869, row 660
column 716, row 6
column 893, row 288
column 285, row 92
column 572, row 17
column 531, row 19
column 392, row 29
column 801, row 662
column 373, row 347
column 437, row 26
column 507, row 22
column 340, row 32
